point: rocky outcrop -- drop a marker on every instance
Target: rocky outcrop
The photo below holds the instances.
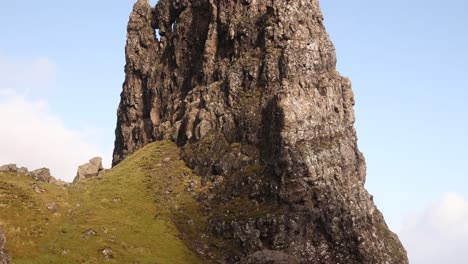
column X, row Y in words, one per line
column 42, row 174
column 249, row 90
column 89, row 170
column 4, row 257
column 13, row 168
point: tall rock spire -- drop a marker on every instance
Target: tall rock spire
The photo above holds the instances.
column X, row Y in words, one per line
column 249, row 90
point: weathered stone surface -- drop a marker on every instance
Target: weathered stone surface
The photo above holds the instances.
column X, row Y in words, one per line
column 23, row 170
column 42, row 175
column 269, row 257
column 89, row 170
column 250, row 90
column 97, row 161
column 4, row 257
column 9, row 168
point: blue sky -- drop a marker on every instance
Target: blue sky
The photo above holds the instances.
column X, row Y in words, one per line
column 61, row 72
column 408, row 64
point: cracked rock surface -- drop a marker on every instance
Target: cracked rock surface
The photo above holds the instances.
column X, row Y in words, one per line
column 249, row 90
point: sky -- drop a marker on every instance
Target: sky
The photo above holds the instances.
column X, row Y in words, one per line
column 61, row 73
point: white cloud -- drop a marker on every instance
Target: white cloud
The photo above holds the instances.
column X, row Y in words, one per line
column 31, row 136
column 438, row 235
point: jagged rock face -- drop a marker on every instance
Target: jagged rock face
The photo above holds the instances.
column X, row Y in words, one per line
column 4, row 257
column 250, row 90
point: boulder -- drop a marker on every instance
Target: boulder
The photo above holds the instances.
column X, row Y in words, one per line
column 89, row 170
column 4, row 257
column 9, row 168
column 97, row 161
column 42, row 175
column 23, row 170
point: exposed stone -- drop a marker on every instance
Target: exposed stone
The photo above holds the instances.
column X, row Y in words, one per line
column 23, row 170
column 9, row 168
column 250, row 91
column 4, row 257
column 37, row 188
column 42, row 175
column 89, row 233
column 61, row 183
column 52, row 206
column 269, row 257
column 103, row 230
column 107, row 253
column 97, row 161
column 89, row 170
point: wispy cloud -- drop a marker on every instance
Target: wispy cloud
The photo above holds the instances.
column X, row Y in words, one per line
column 439, row 234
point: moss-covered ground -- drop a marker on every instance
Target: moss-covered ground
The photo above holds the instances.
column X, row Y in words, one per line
column 131, row 209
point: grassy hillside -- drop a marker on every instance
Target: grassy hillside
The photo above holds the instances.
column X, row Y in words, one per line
column 127, row 214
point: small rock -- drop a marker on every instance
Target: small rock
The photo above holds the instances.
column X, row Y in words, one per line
column 52, row 206
column 108, row 253
column 64, row 252
column 167, row 159
column 117, row 200
column 88, row 233
column 42, row 175
column 36, row 188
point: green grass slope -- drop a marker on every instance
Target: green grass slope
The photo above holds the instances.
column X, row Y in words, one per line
column 131, row 210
